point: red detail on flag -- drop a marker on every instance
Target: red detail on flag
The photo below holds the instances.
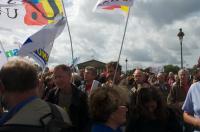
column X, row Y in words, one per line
column 33, row 16
column 112, row 7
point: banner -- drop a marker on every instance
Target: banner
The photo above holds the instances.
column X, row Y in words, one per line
column 3, row 58
column 39, row 45
column 29, row 12
column 11, row 53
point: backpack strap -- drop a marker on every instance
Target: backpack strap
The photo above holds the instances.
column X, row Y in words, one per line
column 56, row 123
column 55, row 112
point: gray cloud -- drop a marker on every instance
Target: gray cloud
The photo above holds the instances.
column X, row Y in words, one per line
column 151, row 37
column 164, row 12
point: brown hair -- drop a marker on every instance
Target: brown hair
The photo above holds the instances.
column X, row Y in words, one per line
column 146, row 95
column 92, row 69
column 19, row 75
column 64, row 68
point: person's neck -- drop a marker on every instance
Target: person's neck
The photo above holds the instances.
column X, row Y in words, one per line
column 183, row 82
column 111, row 124
column 16, row 97
column 89, row 82
column 67, row 89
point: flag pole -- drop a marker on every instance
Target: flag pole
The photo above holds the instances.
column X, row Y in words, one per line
column 3, row 50
column 70, row 37
column 121, row 45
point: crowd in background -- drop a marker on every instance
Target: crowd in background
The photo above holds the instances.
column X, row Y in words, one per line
column 115, row 102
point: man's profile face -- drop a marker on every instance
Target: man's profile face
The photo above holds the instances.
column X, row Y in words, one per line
column 61, row 78
column 88, row 76
column 111, row 72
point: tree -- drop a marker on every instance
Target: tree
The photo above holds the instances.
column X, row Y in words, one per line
column 171, row 68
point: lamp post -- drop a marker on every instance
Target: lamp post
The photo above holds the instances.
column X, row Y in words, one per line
column 126, row 65
column 180, row 35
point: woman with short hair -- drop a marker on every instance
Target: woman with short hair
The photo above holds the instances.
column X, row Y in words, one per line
column 108, row 108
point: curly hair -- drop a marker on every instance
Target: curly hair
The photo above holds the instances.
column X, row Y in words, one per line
column 105, row 100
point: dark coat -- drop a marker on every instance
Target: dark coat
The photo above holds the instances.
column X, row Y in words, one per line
column 78, row 109
column 138, row 123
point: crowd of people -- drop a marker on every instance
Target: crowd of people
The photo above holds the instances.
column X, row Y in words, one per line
column 98, row 102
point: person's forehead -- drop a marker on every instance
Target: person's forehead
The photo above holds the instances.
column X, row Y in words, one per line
column 59, row 71
column 137, row 72
column 183, row 72
column 87, row 71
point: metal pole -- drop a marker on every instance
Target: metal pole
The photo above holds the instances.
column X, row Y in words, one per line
column 70, row 37
column 4, row 52
column 116, row 68
column 181, row 54
column 126, row 65
column 180, row 35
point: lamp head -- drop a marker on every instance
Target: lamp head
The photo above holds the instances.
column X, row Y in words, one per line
column 180, row 34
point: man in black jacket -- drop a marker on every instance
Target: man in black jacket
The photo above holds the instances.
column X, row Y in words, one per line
column 69, row 97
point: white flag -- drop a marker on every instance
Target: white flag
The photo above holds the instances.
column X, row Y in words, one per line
column 113, row 5
column 115, row 2
column 3, row 58
column 41, row 56
column 39, row 45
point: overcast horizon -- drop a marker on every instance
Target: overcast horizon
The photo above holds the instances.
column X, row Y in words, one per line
column 151, row 37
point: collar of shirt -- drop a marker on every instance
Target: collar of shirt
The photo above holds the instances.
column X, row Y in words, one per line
column 15, row 109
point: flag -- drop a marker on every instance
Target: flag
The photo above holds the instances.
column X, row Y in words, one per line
column 11, row 52
column 3, row 58
column 39, row 45
column 113, row 5
column 29, row 12
column 41, row 56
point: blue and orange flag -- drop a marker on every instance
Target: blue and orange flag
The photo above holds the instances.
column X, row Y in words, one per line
column 30, row 12
column 42, row 12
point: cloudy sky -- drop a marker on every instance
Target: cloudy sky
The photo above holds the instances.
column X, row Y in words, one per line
column 151, row 38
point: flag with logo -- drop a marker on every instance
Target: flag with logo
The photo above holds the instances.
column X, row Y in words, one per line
column 3, row 58
column 113, row 5
column 29, row 12
column 39, row 45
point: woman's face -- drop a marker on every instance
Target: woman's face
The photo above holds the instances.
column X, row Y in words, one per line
column 151, row 106
column 119, row 116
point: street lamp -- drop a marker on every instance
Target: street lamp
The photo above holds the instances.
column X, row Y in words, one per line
column 126, row 65
column 180, row 35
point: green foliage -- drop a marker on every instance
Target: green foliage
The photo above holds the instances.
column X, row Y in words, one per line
column 171, row 68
